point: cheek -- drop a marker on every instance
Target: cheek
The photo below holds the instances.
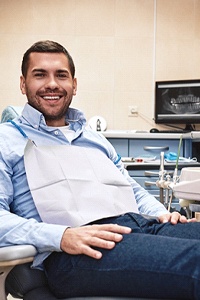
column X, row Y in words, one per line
column 31, row 93
column 32, row 88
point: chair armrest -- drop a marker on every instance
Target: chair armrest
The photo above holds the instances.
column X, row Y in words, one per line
column 17, row 254
column 11, row 256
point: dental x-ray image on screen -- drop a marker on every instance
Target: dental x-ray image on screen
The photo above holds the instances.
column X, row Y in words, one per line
column 177, row 102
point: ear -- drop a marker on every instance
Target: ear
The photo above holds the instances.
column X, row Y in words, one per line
column 74, row 86
column 22, row 85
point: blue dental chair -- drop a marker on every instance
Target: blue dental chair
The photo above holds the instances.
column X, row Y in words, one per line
column 16, row 276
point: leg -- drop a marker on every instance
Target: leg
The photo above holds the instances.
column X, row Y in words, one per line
column 142, row 265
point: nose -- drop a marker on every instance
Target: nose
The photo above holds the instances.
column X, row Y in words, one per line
column 51, row 82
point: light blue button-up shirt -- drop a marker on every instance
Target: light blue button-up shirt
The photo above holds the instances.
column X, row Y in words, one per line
column 20, row 222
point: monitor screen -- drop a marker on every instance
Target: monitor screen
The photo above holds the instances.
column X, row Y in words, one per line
column 177, row 102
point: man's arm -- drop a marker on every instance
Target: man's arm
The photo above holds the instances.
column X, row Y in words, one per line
column 19, row 219
column 15, row 230
column 147, row 203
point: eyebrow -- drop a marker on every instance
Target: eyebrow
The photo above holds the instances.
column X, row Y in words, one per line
column 38, row 70
column 63, row 71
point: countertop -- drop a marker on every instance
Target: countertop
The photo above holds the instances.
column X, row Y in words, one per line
column 147, row 135
column 156, row 165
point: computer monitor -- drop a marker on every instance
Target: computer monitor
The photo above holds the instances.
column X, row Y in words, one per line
column 178, row 102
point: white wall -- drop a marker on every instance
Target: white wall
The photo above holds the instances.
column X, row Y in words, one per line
column 120, row 47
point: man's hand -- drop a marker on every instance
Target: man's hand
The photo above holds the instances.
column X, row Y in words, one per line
column 81, row 240
column 174, row 218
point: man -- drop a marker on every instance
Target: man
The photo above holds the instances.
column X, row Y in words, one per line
column 104, row 249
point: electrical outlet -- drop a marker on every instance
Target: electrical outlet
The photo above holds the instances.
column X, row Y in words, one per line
column 132, row 111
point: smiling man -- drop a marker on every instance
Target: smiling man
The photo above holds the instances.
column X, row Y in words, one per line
column 64, row 189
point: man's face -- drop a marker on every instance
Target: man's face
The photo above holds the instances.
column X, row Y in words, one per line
column 49, row 86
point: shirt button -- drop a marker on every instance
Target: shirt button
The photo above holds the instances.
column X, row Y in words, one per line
column 56, row 132
column 35, row 126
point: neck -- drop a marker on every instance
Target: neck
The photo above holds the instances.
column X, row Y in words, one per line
column 56, row 123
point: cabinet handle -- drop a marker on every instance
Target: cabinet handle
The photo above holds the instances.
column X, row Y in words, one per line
column 156, row 148
column 149, row 183
column 151, row 173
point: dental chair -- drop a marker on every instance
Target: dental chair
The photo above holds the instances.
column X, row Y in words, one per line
column 16, row 276
column 22, row 282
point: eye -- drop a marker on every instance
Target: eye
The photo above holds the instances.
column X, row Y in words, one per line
column 62, row 75
column 39, row 75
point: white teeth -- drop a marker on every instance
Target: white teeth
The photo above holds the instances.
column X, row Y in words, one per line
column 51, row 97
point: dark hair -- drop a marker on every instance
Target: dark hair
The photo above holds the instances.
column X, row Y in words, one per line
column 46, row 47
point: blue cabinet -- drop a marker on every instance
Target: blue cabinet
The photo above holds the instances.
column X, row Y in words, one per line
column 152, row 147
column 145, row 144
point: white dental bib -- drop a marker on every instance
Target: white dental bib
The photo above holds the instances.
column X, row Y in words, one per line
column 74, row 185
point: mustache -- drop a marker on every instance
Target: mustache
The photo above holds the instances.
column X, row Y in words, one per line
column 58, row 91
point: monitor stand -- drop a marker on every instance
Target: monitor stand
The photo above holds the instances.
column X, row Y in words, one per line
column 189, row 127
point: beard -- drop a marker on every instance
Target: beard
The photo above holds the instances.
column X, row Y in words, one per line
column 51, row 110
column 54, row 117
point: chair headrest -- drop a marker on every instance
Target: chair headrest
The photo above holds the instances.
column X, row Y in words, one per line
column 10, row 112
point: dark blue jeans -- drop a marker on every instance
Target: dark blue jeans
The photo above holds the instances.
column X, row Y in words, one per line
column 155, row 261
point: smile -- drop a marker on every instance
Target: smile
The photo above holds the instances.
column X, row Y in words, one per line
column 51, row 97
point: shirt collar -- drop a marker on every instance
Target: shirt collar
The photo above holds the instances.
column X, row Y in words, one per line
column 36, row 119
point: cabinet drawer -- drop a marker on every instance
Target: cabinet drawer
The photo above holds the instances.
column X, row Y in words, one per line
column 143, row 172
column 152, row 147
